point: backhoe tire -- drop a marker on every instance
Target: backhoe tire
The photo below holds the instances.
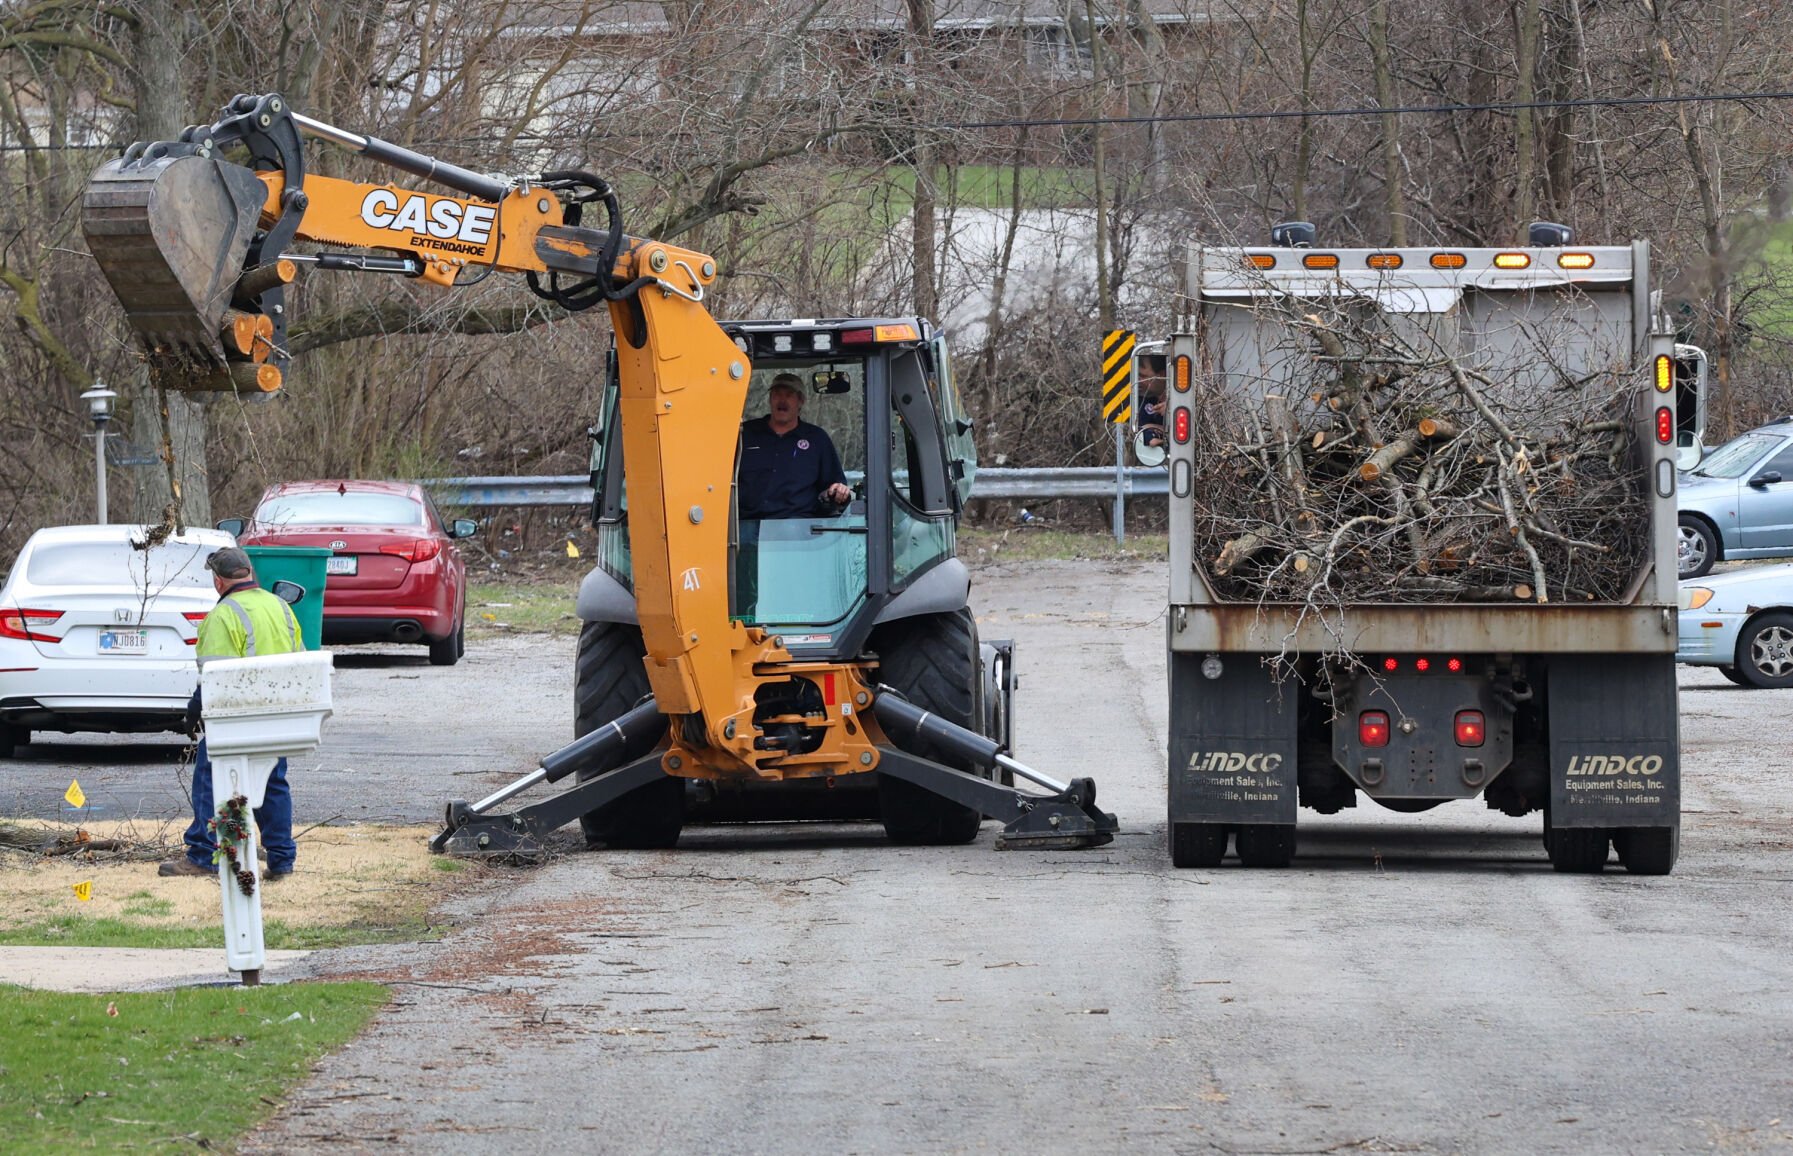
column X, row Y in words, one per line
column 608, row 679
column 1197, row 844
column 1265, row 844
column 931, row 660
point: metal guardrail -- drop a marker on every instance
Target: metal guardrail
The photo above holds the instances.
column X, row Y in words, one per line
column 995, row 482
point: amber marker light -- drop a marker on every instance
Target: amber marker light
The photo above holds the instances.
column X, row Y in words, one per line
column 1180, row 374
column 1512, row 260
column 1321, row 260
column 1575, row 260
column 1665, row 373
column 1260, row 260
column 1449, row 260
column 1384, row 260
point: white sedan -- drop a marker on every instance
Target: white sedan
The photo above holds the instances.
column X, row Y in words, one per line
column 1740, row 621
column 97, row 631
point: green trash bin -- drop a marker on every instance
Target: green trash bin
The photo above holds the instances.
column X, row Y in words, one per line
column 305, row 565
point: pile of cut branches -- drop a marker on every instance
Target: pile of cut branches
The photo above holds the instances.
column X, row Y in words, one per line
column 1369, row 458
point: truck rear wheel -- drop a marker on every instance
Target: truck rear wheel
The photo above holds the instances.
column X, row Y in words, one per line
column 1265, row 844
column 1648, row 850
column 608, row 679
column 1197, row 844
column 931, row 660
column 1576, row 850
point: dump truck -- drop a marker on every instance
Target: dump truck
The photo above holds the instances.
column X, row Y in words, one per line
column 1422, row 544
column 854, row 670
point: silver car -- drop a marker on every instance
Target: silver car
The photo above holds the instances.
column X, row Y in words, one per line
column 1738, row 502
column 1742, row 623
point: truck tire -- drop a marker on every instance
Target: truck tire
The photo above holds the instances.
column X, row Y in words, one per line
column 1648, row 850
column 931, row 660
column 1765, row 651
column 11, row 738
column 1197, row 844
column 1576, row 850
column 1265, row 844
column 1696, row 547
column 608, row 679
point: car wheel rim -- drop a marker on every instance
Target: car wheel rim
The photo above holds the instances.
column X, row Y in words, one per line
column 1690, row 549
column 1772, row 651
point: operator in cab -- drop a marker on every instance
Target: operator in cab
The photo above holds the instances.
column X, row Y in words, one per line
column 789, row 468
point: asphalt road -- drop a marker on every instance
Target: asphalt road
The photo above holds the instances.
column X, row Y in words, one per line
column 1414, row 983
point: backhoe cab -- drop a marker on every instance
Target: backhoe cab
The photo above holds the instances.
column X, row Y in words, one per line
column 722, row 656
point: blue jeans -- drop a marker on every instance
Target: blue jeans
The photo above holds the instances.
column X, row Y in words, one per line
column 274, row 818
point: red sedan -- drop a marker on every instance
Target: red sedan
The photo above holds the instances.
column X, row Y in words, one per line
column 395, row 576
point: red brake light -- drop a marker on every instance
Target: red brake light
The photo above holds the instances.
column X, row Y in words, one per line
column 858, row 336
column 1665, row 426
column 1180, row 425
column 1372, row 728
column 1472, row 728
column 26, row 624
column 195, row 617
column 1455, row 665
column 1423, row 665
column 1391, row 665
column 421, row 550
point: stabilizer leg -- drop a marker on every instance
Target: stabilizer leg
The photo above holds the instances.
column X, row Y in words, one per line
column 1067, row 819
column 521, row 835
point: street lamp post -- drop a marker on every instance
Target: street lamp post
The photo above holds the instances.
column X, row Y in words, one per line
column 99, row 407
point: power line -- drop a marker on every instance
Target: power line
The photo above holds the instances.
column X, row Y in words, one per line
column 1164, row 118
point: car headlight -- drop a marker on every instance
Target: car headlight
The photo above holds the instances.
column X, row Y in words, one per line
column 1694, row 597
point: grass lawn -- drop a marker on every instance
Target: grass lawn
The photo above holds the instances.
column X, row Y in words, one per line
column 359, row 884
column 195, row 1067
column 523, row 608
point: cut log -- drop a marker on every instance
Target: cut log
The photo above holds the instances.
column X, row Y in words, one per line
column 1384, row 459
column 1236, row 552
column 1436, row 428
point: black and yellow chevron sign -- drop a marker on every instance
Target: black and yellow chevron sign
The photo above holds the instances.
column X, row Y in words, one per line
column 1117, row 362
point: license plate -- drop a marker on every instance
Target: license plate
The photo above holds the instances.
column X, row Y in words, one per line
column 123, row 642
column 340, row 564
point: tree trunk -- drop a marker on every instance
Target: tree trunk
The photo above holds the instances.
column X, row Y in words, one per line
column 1391, row 126
column 181, row 479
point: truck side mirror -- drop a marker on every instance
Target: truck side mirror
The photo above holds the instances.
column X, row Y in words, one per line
column 1148, row 445
column 231, row 526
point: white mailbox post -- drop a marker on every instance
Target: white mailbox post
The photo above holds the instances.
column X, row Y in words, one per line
column 257, row 712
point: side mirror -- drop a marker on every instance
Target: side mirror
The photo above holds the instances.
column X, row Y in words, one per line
column 835, row 382
column 463, row 528
column 231, row 526
column 290, row 593
column 1148, row 445
column 1689, row 451
column 1765, row 478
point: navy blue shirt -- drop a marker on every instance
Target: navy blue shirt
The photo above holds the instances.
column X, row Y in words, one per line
column 783, row 476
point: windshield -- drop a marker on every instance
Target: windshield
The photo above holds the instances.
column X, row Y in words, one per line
column 172, row 565
column 800, row 571
column 1735, row 457
column 329, row 508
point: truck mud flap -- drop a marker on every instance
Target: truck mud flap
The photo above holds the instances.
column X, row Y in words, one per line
column 1614, row 742
column 1232, row 742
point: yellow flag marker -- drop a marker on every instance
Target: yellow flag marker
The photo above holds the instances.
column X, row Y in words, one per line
column 572, row 550
column 75, row 796
column 84, row 890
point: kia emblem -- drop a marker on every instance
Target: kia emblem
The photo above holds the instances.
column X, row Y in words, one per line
column 339, row 544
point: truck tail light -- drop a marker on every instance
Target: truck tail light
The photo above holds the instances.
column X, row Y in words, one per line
column 422, row 550
column 27, row 624
column 1179, row 426
column 1472, row 728
column 1665, row 425
column 1665, row 374
column 1372, row 728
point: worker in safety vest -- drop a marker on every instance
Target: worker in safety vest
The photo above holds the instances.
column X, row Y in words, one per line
column 247, row 621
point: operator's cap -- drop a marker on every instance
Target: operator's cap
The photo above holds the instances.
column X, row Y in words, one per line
column 788, row 381
column 229, row 562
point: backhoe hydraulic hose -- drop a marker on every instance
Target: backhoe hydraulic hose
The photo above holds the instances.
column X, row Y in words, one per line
column 604, row 749
column 915, row 730
column 454, row 176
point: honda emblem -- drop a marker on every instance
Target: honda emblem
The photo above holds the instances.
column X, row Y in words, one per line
column 121, row 614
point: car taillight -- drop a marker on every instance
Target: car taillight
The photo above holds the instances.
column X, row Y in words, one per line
column 195, row 617
column 27, row 623
column 1372, row 728
column 421, row 550
column 1472, row 728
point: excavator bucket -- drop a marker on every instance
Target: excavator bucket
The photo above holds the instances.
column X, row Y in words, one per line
column 171, row 235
